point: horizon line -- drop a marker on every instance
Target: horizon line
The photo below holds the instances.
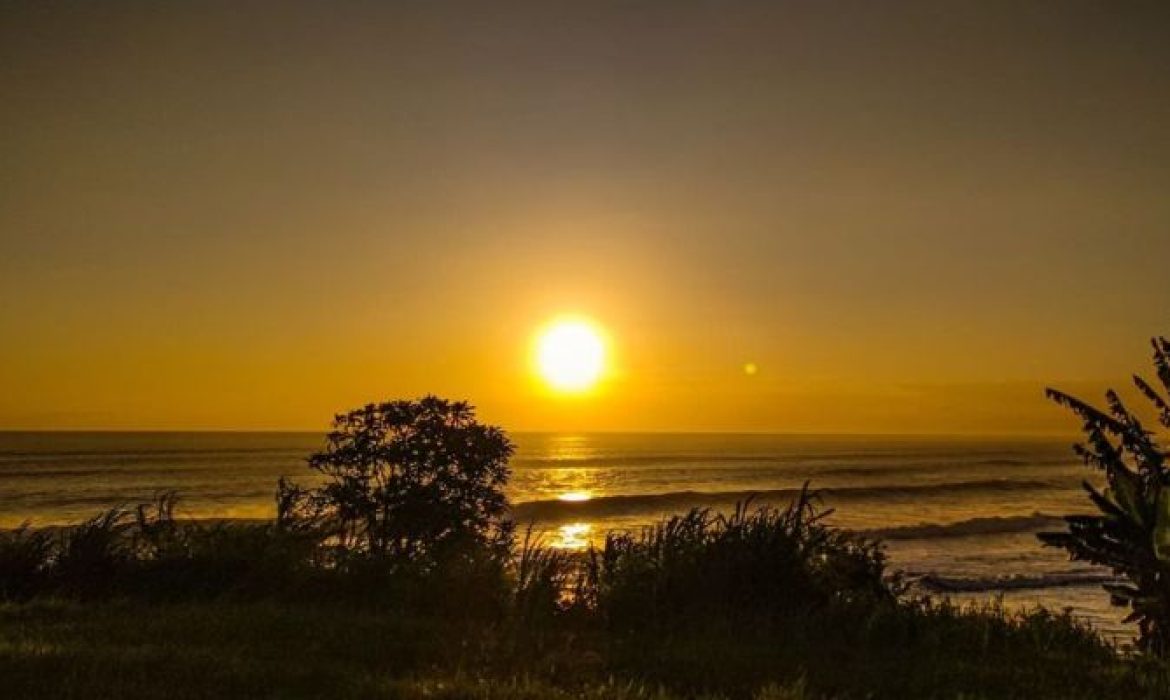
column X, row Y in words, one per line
column 774, row 433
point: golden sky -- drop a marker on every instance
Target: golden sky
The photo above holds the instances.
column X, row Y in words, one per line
column 909, row 216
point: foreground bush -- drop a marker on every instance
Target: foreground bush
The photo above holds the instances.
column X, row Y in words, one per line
column 1131, row 534
column 25, row 556
column 147, row 552
column 759, row 565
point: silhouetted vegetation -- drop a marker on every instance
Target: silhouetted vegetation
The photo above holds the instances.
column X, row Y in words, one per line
column 626, row 622
column 24, row 562
column 1132, row 533
column 347, row 594
column 755, row 566
column 408, row 481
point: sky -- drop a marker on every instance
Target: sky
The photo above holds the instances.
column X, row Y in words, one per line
column 909, row 216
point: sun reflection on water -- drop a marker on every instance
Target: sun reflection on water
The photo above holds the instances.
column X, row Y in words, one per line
column 573, row 536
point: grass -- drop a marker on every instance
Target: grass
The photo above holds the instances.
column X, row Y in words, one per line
column 263, row 650
column 56, row 649
column 913, row 650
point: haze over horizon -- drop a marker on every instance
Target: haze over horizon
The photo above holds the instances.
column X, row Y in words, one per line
column 905, row 218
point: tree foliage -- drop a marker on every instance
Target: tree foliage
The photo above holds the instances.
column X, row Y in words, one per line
column 409, row 480
column 1131, row 532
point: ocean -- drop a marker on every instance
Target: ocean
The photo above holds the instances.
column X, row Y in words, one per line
column 958, row 515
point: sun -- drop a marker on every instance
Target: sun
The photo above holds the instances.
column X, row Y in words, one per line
column 570, row 355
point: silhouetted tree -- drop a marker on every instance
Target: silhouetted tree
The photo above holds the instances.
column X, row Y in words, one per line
column 412, row 480
column 1131, row 535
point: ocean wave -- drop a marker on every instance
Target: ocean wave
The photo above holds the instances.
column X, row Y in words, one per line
column 1012, row 462
column 628, row 505
column 146, row 453
column 947, row 584
column 849, row 461
column 138, row 474
column 128, row 498
column 992, row 525
column 1046, row 465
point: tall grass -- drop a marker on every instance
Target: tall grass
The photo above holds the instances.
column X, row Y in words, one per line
column 758, row 564
column 24, row 562
column 147, row 552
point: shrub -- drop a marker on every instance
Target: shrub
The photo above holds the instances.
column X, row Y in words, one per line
column 1131, row 534
column 241, row 560
column 414, row 481
column 146, row 552
column 758, row 564
column 93, row 557
column 25, row 558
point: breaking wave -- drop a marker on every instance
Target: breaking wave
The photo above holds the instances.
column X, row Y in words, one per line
column 947, row 584
column 994, row 525
column 631, row 505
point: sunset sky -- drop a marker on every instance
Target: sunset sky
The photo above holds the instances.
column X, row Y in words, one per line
column 909, row 217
